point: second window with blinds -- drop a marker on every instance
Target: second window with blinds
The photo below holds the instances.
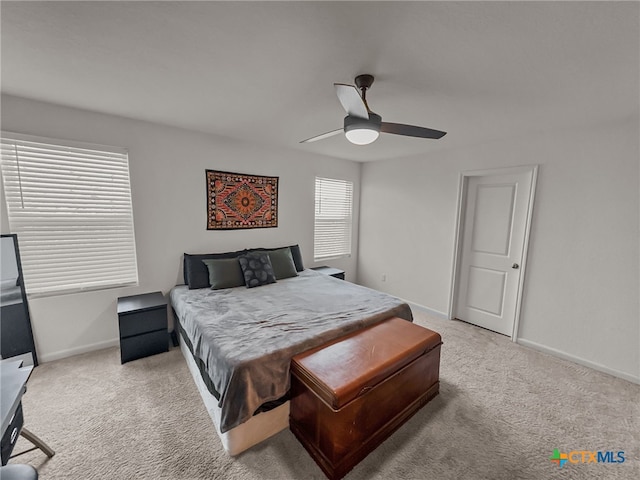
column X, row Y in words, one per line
column 333, row 218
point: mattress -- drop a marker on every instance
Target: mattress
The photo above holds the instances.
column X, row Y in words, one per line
column 242, row 340
column 255, row 430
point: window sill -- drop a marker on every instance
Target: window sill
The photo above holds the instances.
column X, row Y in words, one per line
column 72, row 291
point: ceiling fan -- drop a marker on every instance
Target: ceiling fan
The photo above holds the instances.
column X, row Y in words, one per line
column 361, row 125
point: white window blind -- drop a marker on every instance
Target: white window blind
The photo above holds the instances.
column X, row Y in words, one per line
column 70, row 205
column 333, row 218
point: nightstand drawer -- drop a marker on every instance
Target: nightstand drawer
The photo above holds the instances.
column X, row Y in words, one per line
column 139, row 346
column 11, row 435
column 135, row 323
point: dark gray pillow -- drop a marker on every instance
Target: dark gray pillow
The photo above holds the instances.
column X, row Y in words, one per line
column 196, row 274
column 257, row 269
column 282, row 263
column 295, row 253
column 224, row 273
column 297, row 257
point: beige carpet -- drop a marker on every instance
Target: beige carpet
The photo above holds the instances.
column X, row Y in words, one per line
column 501, row 411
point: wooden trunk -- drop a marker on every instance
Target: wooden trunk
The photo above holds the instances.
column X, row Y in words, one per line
column 348, row 396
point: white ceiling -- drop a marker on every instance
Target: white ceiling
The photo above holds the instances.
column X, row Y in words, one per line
column 264, row 71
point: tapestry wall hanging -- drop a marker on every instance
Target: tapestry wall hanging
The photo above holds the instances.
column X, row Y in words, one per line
column 235, row 200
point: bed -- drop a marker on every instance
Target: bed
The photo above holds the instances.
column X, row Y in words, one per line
column 238, row 341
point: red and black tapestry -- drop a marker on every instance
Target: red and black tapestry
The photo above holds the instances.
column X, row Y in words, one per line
column 235, row 200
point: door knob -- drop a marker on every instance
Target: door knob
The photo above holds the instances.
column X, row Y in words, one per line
column 515, row 265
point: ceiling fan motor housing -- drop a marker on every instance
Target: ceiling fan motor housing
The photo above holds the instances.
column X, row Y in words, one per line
column 371, row 123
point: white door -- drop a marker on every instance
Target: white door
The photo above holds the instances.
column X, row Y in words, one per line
column 496, row 219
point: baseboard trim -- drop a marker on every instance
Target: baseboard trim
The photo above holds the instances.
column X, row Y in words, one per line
column 430, row 311
column 49, row 357
column 578, row 360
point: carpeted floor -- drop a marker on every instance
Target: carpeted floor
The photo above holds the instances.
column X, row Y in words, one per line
column 501, row 412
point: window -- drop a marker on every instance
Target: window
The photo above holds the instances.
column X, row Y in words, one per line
column 70, row 205
column 332, row 231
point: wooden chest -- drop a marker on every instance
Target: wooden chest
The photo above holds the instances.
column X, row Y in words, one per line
column 348, row 396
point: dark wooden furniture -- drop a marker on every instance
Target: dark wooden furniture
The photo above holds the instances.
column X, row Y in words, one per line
column 332, row 272
column 348, row 396
column 13, row 377
column 143, row 326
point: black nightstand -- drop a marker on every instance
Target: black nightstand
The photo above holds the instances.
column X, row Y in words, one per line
column 332, row 272
column 143, row 326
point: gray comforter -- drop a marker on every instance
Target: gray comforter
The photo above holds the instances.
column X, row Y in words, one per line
column 246, row 337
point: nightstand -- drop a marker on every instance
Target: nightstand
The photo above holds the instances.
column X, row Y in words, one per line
column 143, row 326
column 332, row 272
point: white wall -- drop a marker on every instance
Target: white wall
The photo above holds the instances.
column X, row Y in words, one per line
column 582, row 280
column 167, row 168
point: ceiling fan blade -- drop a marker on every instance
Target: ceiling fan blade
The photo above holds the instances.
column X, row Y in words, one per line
column 323, row 136
column 351, row 100
column 410, row 130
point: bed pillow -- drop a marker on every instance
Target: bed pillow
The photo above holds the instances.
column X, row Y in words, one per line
column 297, row 257
column 257, row 269
column 295, row 254
column 224, row 273
column 282, row 263
column 196, row 273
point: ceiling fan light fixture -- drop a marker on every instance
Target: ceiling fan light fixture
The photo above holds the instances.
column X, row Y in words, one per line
column 362, row 135
column 362, row 131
